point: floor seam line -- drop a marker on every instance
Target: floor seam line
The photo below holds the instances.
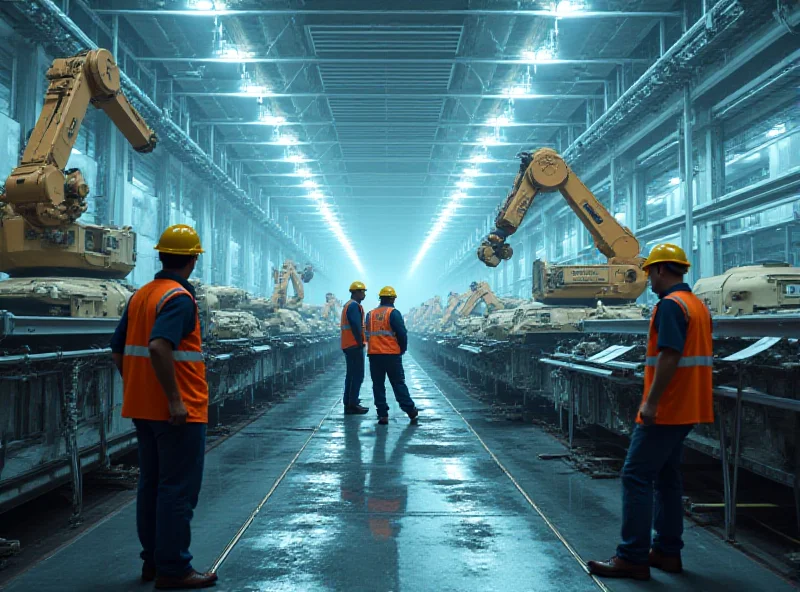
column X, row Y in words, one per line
column 572, row 551
column 246, row 525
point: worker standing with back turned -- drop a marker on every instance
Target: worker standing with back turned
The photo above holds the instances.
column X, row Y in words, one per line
column 677, row 395
column 388, row 341
column 158, row 351
column 353, row 342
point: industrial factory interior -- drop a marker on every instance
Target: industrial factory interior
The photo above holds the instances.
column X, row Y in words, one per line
column 410, row 296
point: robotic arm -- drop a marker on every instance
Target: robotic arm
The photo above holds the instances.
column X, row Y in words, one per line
column 289, row 273
column 480, row 292
column 546, row 171
column 621, row 280
column 39, row 189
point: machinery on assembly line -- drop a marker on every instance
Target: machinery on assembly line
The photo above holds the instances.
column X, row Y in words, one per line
column 771, row 287
column 59, row 266
column 620, row 281
column 288, row 273
column 66, row 294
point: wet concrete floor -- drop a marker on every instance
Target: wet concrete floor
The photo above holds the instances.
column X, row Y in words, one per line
column 391, row 508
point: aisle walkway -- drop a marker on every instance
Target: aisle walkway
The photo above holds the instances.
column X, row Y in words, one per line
column 386, row 508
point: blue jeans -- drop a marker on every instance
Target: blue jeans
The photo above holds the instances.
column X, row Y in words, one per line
column 653, row 465
column 391, row 365
column 354, row 357
column 170, row 474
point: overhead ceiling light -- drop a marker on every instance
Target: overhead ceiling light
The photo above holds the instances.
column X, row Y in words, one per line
column 201, row 5
column 286, row 140
column 777, row 130
column 480, row 158
column 516, row 91
column 316, row 195
column 568, row 7
column 675, row 181
column 233, row 53
column 472, row 172
column 490, row 141
column 458, row 195
column 465, row 184
column 543, row 54
column 270, row 119
column 257, row 90
column 309, row 184
column 303, row 172
column 441, row 222
column 297, row 158
column 499, row 121
column 338, row 231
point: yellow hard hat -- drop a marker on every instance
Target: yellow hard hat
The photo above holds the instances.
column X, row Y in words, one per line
column 387, row 292
column 179, row 239
column 666, row 253
column 357, row 286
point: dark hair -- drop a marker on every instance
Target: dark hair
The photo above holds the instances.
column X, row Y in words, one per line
column 170, row 261
column 675, row 268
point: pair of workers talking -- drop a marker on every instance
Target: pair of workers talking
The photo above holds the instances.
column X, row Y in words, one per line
column 383, row 334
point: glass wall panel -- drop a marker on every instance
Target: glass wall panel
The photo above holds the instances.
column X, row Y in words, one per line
column 766, row 149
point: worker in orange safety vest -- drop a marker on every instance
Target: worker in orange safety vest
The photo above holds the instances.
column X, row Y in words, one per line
column 388, row 341
column 677, row 395
column 353, row 343
column 158, row 351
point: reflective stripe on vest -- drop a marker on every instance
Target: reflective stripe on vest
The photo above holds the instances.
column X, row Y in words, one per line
column 382, row 340
column 688, row 398
column 178, row 355
column 143, row 396
column 348, row 339
column 687, row 361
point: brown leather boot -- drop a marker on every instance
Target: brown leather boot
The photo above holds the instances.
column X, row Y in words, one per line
column 191, row 581
column 616, row 567
column 667, row 563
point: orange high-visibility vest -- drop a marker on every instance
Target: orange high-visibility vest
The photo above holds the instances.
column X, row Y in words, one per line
column 348, row 339
column 143, row 397
column 382, row 339
column 688, row 398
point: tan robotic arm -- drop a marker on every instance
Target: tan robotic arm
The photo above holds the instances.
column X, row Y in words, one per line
column 39, row 189
column 621, row 280
column 481, row 292
column 331, row 306
column 280, row 294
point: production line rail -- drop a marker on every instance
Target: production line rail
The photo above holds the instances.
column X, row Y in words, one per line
column 60, row 404
column 604, row 388
column 462, row 500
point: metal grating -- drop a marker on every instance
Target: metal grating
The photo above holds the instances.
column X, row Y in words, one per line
column 372, row 109
column 355, row 39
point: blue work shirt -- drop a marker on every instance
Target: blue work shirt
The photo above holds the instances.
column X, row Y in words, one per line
column 174, row 322
column 398, row 326
column 670, row 320
column 354, row 320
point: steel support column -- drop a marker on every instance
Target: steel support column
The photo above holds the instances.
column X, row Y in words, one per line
column 688, row 171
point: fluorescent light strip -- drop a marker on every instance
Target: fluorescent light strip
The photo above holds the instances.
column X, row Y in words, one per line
column 436, row 230
column 337, row 230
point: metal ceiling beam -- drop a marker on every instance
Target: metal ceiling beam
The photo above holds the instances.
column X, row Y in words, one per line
column 349, row 142
column 387, row 160
column 372, row 186
column 386, row 95
column 390, row 124
column 507, row 61
column 292, row 12
column 377, row 173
